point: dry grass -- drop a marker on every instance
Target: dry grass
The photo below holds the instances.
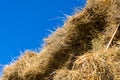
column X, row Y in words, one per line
column 100, row 65
column 78, row 47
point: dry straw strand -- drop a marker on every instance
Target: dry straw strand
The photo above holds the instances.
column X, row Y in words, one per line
column 112, row 37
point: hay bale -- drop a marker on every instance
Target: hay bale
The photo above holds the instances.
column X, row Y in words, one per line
column 101, row 65
column 15, row 71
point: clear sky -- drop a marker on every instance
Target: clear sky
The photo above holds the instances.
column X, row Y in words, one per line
column 24, row 24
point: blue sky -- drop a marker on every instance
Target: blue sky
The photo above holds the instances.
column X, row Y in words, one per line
column 24, row 23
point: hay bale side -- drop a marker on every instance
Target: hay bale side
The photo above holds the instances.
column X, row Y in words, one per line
column 15, row 71
column 100, row 65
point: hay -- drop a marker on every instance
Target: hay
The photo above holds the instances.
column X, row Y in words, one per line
column 85, row 31
column 101, row 65
column 15, row 71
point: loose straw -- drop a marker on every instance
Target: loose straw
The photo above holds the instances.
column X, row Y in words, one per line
column 112, row 37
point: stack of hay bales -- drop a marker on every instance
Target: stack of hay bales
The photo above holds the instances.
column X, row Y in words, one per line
column 77, row 50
